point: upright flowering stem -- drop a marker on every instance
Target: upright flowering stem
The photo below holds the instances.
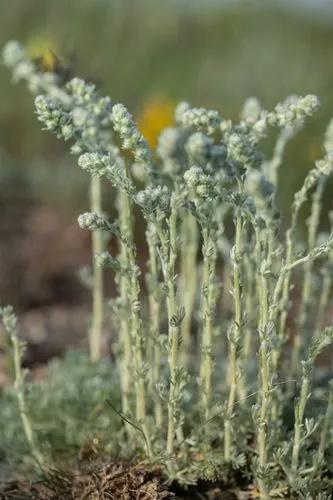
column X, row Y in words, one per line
column 327, row 273
column 132, row 139
column 9, row 320
column 95, row 337
column 298, row 428
column 206, row 368
column 323, row 168
column 234, row 335
column 264, row 361
column 318, row 457
column 313, row 222
column 136, row 329
column 318, row 344
column 125, row 325
column 251, row 305
column 174, row 329
column 284, row 300
column 264, row 368
column 188, row 277
column 169, row 252
column 154, row 315
column 19, row 387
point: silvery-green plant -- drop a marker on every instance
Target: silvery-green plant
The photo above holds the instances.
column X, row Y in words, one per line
column 207, row 392
column 9, row 321
column 84, row 119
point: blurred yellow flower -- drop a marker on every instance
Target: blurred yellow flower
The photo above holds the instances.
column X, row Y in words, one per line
column 156, row 114
column 42, row 49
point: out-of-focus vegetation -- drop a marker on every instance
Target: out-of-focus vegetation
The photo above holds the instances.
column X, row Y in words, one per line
column 211, row 54
column 149, row 55
column 206, row 177
column 81, row 394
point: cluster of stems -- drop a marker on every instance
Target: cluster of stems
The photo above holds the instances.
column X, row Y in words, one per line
column 9, row 321
column 205, row 173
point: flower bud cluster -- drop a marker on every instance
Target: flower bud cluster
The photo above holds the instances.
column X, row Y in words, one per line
column 251, row 110
column 171, row 143
column 170, row 149
column 294, row 110
column 54, row 118
column 259, row 188
column 202, row 119
column 105, row 259
column 9, row 319
column 291, row 113
column 84, row 117
column 109, row 165
column 324, row 339
column 96, row 163
column 13, row 54
column 180, row 110
column 154, row 201
column 132, row 139
column 323, row 167
column 91, row 221
column 204, row 196
column 243, row 201
column 199, row 147
column 198, row 182
column 81, row 91
column 23, row 68
column 322, row 249
column 91, row 115
column 74, row 110
column 242, row 152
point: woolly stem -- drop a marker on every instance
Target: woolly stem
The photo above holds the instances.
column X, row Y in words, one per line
column 310, row 181
column 250, row 303
column 316, row 347
column 137, row 340
column 313, row 223
column 318, row 458
column 233, row 337
column 168, row 244
column 125, row 327
column 174, row 332
column 299, row 415
column 95, row 334
column 206, row 368
column 324, row 294
column 19, row 389
column 287, row 268
column 154, row 317
column 283, row 307
column 250, row 299
column 188, row 278
column 136, row 333
column 265, row 384
column 263, row 263
column 325, row 288
column 272, row 168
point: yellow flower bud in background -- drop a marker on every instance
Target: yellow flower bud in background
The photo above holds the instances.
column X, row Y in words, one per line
column 157, row 113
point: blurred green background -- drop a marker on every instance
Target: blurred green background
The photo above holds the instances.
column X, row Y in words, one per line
column 212, row 53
